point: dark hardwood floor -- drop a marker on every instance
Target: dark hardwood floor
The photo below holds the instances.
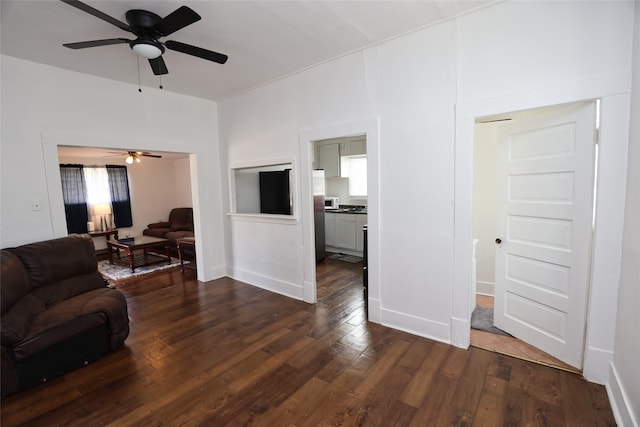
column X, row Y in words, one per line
column 226, row 353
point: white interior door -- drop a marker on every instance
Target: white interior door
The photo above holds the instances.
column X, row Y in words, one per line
column 544, row 225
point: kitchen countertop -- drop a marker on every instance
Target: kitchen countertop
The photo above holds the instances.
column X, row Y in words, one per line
column 357, row 211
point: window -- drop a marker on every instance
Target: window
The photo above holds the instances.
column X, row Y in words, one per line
column 97, row 194
column 263, row 189
column 355, row 168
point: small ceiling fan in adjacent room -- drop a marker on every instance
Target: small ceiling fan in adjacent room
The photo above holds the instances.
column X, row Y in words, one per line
column 134, row 156
column 148, row 29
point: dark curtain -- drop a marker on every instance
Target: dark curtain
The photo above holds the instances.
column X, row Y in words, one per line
column 120, row 200
column 73, row 194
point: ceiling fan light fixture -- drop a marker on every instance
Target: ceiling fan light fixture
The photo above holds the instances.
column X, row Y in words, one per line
column 147, row 49
column 129, row 159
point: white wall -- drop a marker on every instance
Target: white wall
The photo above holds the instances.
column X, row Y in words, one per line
column 522, row 55
column 182, row 183
column 426, row 89
column 43, row 107
column 485, row 180
column 624, row 383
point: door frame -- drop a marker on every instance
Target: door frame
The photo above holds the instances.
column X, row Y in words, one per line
column 614, row 94
column 370, row 128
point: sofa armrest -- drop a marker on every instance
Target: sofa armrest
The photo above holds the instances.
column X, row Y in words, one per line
column 164, row 224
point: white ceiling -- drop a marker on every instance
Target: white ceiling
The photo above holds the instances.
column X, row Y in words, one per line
column 265, row 40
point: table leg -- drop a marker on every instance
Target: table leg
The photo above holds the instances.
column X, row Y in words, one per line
column 131, row 261
column 166, row 248
column 180, row 257
column 110, row 253
column 115, row 238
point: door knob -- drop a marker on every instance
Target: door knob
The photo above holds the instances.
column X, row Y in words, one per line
column 498, row 240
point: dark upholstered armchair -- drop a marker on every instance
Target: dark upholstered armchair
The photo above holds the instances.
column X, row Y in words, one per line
column 180, row 224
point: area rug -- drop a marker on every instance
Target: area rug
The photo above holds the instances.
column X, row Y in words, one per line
column 346, row 258
column 120, row 271
column 482, row 319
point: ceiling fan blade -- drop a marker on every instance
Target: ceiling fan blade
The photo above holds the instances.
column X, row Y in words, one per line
column 176, row 20
column 197, row 51
column 158, row 66
column 94, row 43
column 95, row 12
column 151, row 155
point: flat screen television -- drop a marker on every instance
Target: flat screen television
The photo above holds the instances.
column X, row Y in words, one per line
column 275, row 193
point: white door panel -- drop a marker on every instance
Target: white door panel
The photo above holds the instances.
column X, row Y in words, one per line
column 545, row 199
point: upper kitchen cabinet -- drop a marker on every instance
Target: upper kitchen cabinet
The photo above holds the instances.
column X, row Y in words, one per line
column 329, row 152
column 353, row 147
column 329, row 159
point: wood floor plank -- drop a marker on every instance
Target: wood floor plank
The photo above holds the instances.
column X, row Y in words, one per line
column 227, row 353
column 417, row 389
column 471, row 382
column 491, row 407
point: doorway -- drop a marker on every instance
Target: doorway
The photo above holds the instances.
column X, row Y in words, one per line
column 370, row 128
column 340, row 176
column 532, row 218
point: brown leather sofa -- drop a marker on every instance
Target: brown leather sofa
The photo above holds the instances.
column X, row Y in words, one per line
column 180, row 224
column 57, row 313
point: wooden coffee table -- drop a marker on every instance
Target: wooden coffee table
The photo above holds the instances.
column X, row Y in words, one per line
column 140, row 243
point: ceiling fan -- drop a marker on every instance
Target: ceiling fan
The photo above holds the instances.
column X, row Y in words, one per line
column 134, row 156
column 148, row 28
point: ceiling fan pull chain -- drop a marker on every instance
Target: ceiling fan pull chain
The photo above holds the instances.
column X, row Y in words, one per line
column 161, row 82
column 138, row 61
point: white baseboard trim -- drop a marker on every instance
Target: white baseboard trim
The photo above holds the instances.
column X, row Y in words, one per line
column 309, row 293
column 619, row 400
column 374, row 314
column 214, row 273
column 460, row 332
column 485, row 288
column 281, row 287
column 596, row 365
column 415, row 325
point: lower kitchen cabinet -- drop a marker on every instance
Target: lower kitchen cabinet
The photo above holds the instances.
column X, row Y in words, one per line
column 329, row 229
column 343, row 232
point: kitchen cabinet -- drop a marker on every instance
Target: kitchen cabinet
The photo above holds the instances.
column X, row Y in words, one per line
column 329, row 154
column 345, row 237
column 353, row 148
column 329, row 228
column 343, row 232
column 329, row 159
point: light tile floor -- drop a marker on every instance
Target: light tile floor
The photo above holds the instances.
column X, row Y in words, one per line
column 512, row 346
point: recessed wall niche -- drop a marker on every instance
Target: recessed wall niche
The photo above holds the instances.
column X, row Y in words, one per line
column 263, row 190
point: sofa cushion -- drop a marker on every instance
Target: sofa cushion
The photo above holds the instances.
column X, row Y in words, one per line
column 173, row 235
column 58, row 259
column 162, row 224
column 156, row 232
column 17, row 320
column 179, row 226
column 12, row 272
column 181, row 215
column 67, row 288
